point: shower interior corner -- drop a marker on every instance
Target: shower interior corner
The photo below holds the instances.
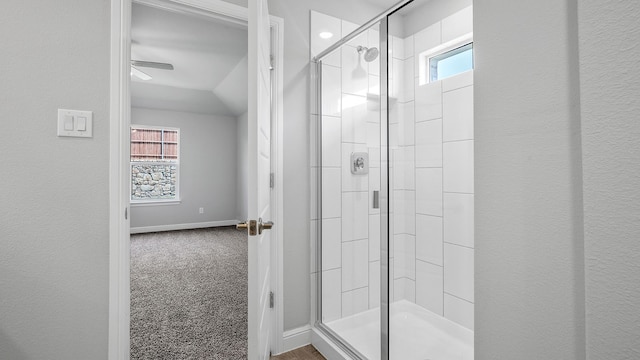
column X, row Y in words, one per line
column 392, row 184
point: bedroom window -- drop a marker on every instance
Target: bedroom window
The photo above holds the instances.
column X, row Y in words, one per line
column 155, row 164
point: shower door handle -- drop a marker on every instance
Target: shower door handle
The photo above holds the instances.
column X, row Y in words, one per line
column 376, row 199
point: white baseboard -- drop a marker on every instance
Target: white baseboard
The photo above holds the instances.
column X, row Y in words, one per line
column 295, row 338
column 200, row 225
column 326, row 347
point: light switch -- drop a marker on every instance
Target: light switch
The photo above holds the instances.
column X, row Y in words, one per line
column 68, row 123
column 81, row 122
column 75, row 123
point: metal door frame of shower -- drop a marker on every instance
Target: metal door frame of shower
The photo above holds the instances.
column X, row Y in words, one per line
column 316, row 91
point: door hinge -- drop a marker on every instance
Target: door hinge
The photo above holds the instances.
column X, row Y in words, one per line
column 270, row 62
column 272, row 180
column 271, row 299
column 126, row 214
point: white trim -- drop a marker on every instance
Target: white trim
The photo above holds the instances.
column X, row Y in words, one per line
column 277, row 123
column 295, row 338
column 212, row 8
column 171, row 227
column 119, row 227
column 119, row 118
column 424, row 57
column 326, row 347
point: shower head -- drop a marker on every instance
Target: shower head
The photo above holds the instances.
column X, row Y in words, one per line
column 370, row 54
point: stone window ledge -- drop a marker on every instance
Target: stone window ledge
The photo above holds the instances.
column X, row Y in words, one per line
column 137, row 203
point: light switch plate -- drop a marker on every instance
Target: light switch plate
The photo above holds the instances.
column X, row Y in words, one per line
column 81, row 128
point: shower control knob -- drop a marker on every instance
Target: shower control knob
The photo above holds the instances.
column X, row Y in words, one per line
column 359, row 163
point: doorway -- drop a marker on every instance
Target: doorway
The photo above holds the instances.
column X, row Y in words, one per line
column 120, row 211
column 188, row 277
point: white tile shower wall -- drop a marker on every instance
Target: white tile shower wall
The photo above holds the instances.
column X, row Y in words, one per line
column 374, row 284
column 331, row 93
column 429, row 286
column 355, row 265
column 355, row 301
column 350, row 122
column 402, row 170
column 331, row 244
column 440, row 116
column 355, row 215
column 321, row 23
column 431, row 182
column 331, row 295
column 458, row 275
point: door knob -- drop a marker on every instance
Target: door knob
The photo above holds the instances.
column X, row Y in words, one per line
column 249, row 224
column 264, row 225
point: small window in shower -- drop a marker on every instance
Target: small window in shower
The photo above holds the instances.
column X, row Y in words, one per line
column 451, row 63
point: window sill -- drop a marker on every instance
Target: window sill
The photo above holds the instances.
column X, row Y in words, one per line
column 140, row 203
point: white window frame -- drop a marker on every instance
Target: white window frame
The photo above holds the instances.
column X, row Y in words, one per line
column 424, row 58
column 151, row 202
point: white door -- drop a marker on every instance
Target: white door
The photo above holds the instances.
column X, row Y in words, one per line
column 259, row 193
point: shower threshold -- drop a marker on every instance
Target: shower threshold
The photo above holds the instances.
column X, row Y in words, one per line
column 415, row 333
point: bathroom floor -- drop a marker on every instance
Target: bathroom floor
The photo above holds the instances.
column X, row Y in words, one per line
column 304, row 353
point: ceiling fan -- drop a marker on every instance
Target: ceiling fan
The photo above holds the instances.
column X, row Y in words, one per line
column 150, row 64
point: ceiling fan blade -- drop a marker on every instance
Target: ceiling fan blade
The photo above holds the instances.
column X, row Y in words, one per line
column 151, row 64
column 140, row 74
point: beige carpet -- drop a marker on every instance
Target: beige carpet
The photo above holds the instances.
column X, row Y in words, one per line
column 189, row 294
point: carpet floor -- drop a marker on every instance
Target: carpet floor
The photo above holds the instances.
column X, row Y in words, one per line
column 189, row 294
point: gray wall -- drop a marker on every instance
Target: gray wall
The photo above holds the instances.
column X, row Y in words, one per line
column 242, row 199
column 610, row 104
column 534, row 158
column 54, row 203
column 529, row 243
column 208, row 175
column 296, row 143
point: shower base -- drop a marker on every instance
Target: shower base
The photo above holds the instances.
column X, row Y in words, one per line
column 416, row 334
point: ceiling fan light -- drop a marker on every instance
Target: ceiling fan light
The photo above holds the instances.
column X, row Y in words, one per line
column 140, row 74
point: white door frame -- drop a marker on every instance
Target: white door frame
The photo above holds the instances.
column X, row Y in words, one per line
column 119, row 122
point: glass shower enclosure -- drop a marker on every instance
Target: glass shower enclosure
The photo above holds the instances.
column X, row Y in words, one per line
column 392, row 178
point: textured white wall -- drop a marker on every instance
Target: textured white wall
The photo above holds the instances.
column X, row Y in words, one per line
column 208, row 174
column 55, row 194
column 610, row 104
column 242, row 205
column 529, row 244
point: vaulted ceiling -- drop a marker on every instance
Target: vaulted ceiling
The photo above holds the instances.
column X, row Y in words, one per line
column 209, row 58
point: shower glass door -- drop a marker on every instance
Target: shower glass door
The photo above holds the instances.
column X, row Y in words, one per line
column 349, row 181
